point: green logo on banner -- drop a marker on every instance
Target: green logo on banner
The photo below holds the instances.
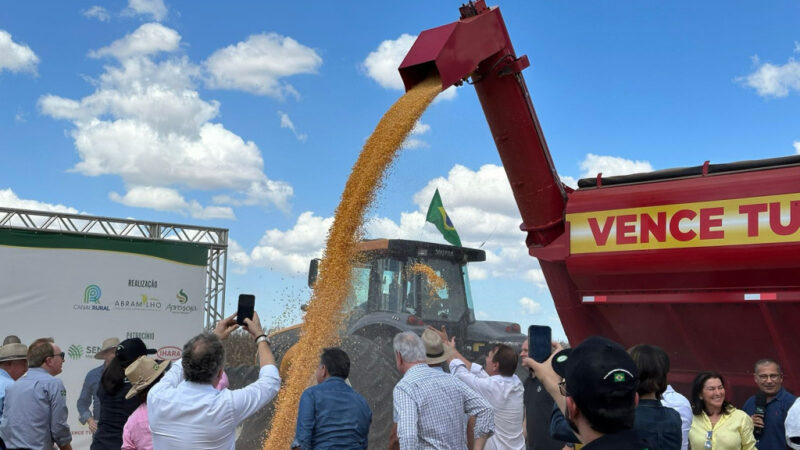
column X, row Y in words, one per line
column 92, row 294
column 75, row 351
column 182, row 297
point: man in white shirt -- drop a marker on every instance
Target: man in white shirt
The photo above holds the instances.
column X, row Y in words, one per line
column 672, row 399
column 500, row 387
column 184, row 409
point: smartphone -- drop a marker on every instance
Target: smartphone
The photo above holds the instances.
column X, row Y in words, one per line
column 247, row 304
column 539, row 342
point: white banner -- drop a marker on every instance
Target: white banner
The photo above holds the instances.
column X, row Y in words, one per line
column 98, row 288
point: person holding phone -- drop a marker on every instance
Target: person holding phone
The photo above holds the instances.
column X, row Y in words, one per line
column 184, row 409
column 538, row 410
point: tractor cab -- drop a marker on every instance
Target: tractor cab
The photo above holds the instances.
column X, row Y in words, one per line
column 400, row 285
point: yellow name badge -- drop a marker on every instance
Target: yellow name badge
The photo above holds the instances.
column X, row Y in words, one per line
column 739, row 221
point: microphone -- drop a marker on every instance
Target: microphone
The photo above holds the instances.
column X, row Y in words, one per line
column 761, row 408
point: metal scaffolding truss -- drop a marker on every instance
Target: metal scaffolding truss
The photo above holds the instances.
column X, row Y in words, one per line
column 215, row 239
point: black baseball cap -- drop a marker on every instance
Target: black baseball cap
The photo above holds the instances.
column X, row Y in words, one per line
column 131, row 349
column 599, row 373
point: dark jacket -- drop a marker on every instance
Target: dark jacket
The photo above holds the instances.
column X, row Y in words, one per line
column 622, row 440
column 538, row 409
column 658, row 425
column 114, row 412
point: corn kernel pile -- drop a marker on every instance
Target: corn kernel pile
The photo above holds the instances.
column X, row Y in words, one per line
column 323, row 318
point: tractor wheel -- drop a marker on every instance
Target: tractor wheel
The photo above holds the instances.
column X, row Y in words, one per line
column 372, row 375
column 251, row 433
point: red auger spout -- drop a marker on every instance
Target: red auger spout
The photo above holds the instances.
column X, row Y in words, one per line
column 478, row 47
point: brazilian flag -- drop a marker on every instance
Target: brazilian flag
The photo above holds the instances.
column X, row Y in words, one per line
column 438, row 216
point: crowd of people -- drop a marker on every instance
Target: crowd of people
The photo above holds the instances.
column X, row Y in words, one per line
column 596, row 395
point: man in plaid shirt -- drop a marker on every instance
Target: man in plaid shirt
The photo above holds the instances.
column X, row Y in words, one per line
column 431, row 407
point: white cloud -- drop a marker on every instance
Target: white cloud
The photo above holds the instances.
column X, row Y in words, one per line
column 259, row 64
column 289, row 251
column 413, row 140
column 796, row 145
column 382, row 63
column 146, row 123
column 570, row 181
column 770, row 80
column 774, row 80
column 480, row 203
column 166, row 199
column 16, row 57
column 530, row 306
column 8, row 199
column 153, row 8
column 482, row 315
column 611, row 165
column 97, row 12
column 148, row 39
column 286, row 122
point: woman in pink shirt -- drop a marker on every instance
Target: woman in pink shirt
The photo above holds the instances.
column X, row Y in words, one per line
column 143, row 374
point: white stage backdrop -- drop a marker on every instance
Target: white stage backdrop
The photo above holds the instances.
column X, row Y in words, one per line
column 82, row 289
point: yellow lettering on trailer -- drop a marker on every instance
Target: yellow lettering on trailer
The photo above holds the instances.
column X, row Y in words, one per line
column 741, row 221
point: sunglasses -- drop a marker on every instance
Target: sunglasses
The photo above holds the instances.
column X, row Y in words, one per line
column 62, row 355
column 562, row 388
column 709, row 435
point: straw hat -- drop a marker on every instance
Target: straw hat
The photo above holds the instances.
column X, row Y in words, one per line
column 11, row 352
column 11, row 339
column 142, row 373
column 109, row 345
column 435, row 351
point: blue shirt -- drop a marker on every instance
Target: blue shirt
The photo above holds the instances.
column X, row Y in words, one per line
column 37, row 412
column 5, row 381
column 774, row 435
column 89, row 398
column 332, row 415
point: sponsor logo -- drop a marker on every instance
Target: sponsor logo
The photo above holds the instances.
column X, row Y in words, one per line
column 181, row 309
column 149, row 284
column 143, row 303
column 75, row 351
column 91, row 350
column 149, row 335
column 91, row 300
column 182, row 297
column 92, row 294
column 169, row 352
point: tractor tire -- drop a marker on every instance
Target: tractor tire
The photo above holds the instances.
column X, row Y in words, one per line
column 372, row 375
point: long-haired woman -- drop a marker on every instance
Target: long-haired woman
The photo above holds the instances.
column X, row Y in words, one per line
column 717, row 424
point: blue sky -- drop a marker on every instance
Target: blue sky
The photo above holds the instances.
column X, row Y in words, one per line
column 249, row 116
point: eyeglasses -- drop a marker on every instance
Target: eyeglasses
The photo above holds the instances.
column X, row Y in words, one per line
column 771, row 376
column 707, row 445
column 562, row 388
column 62, row 355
